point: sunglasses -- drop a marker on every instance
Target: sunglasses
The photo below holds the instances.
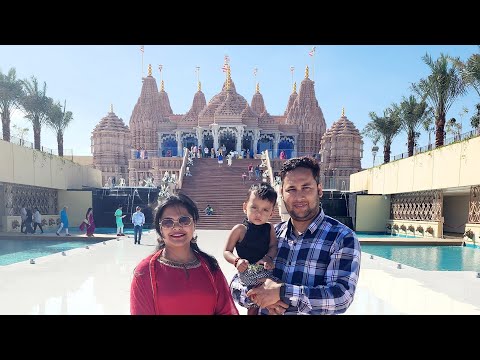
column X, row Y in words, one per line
column 182, row 221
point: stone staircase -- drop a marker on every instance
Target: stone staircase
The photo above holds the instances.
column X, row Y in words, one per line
column 221, row 187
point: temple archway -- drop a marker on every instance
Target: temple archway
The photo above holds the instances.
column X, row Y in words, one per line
column 265, row 143
column 169, row 147
column 286, row 144
column 228, row 139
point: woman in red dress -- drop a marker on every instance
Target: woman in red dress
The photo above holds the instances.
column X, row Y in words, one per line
column 179, row 278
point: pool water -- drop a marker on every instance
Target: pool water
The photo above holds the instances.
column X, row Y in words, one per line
column 13, row 251
column 436, row 258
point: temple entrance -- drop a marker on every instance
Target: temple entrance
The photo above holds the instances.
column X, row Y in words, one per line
column 247, row 145
column 169, row 148
column 265, row 144
column 227, row 141
column 189, row 141
column 208, row 142
column 287, row 147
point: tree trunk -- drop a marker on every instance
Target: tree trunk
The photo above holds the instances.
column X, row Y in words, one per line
column 411, row 142
column 440, row 130
column 60, row 143
column 386, row 153
column 6, row 126
column 36, row 136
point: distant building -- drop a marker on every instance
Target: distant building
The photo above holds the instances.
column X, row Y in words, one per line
column 229, row 121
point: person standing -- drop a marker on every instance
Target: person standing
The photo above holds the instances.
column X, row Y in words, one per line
column 88, row 223
column 179, row 278
column 318, row 259
column 63, row 221
column 23, row 218
column 37, row 220
column 119, row 220
column 138, row 219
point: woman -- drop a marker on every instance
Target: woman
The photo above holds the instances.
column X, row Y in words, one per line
column 179, row 278
column 88, row 223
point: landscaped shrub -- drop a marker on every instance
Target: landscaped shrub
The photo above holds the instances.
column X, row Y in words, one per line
column 469, row 233
column 420, row 229
column 411, row 228
column 403, row 227
column 430, row 230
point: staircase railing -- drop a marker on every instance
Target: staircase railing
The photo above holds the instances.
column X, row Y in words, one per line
column 181, row 175
column 281, row 207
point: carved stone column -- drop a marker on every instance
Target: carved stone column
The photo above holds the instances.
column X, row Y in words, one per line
column 199, row 131
column 275, row 145
column 178, row 137
column 240, row 132
column 256, row 137
column 215, row 128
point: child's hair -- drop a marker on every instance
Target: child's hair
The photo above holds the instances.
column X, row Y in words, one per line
column 184, row 201
column 264, row 191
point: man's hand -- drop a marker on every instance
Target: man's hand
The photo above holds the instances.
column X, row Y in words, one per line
column 278, row 308
column 265, row 294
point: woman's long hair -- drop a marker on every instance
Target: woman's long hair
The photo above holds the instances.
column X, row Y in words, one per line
column 88, row 212
column 184, row 201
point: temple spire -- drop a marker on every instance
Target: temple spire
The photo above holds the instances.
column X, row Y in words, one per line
column 257, row 89
column 228, row 78
column 149, row 69
column 294, row 87
column 197, row 71
column 162, row 86
column 111, row 108
column 306, row 72
column 343, row 111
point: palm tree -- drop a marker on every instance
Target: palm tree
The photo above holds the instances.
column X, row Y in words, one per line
column 58, row 120
column 11, row 92
column 36, row 105
column 475, row 119
column 441, row 88
column 383, row 129
column 412, row 115
column 469, row 71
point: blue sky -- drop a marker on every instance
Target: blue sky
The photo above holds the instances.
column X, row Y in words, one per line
column 361, row 78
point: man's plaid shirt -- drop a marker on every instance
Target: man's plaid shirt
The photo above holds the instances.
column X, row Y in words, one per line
column 320, row 267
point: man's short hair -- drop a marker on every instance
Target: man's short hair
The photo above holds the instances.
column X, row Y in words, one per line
column 306, row 162
column 138, row 208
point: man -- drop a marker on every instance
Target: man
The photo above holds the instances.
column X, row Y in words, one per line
column 63, row 222
column 318, row 259
column 23, row 217
column 37, row 220
column 208, row 210
column 138, row 219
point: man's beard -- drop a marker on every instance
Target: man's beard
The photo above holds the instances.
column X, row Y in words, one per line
column 310, row 213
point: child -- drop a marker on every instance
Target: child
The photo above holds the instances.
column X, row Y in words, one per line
column 254, row 240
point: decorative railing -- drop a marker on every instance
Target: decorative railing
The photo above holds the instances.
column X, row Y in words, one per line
column 474, row 206
column 422, row 205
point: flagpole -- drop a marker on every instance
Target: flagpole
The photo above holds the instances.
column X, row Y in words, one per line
column 292, row 69
column 142, row 50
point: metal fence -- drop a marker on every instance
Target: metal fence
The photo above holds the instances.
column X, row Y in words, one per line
column 67, row 153
column 446, row 141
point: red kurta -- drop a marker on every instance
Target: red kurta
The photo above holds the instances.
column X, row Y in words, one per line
column 179, row 291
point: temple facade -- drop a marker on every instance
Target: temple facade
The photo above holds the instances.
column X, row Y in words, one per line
column 156, row 137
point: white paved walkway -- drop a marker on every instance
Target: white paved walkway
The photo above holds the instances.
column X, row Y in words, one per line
column 97, row 281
